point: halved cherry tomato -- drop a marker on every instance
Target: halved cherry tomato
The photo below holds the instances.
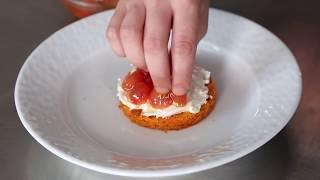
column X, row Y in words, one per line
column 139, row 94
column 159, row 101
column 148, row 81
column 179, row 100
column 132, row 78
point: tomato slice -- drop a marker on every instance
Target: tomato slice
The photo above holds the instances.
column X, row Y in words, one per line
column 139, row 94
column 132, row 78
column 179, row 100
column 159, row 101
column 137, row 86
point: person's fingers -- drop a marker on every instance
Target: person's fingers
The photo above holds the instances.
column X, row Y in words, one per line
column 156, row 35
column 114, row 29
column 184, row 44
column 131, row 35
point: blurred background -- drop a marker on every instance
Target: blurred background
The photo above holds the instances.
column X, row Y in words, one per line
column 293, row 154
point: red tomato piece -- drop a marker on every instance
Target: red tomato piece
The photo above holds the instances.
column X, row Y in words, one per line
column 159, row 101
column 148, row 81
column 132, row 78
column 179, row 100
column 139, row 94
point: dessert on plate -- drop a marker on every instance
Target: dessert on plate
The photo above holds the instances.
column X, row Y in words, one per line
column 144, row 106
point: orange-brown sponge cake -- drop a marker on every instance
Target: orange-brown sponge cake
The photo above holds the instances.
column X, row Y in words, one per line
column 177, row 121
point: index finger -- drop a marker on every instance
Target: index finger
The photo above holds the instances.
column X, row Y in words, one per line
column 156, row 35
column 184, row 44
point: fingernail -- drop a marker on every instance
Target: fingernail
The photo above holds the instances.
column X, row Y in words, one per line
column 162, row 90
column 179, row 91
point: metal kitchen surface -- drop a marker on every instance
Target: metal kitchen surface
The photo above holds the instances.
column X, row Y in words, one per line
column 293, row 154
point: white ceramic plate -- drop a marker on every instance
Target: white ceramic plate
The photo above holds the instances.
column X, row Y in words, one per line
column 66, row 98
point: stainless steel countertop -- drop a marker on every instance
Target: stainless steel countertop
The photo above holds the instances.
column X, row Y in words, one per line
column 293, row 154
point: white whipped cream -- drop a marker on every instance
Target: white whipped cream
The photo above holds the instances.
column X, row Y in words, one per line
column 196, row 96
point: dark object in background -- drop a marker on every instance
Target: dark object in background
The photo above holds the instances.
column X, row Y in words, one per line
column 84, row 8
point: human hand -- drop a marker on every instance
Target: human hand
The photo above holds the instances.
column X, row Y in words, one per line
column 140, row 30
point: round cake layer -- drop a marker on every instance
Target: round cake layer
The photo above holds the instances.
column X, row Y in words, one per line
column 174, row 122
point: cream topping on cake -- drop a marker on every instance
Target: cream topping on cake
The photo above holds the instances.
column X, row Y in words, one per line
column 196, row 96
